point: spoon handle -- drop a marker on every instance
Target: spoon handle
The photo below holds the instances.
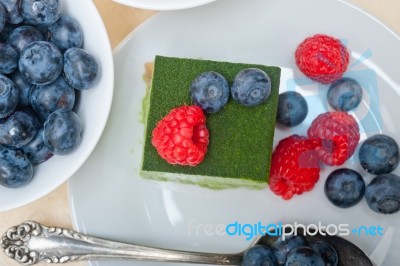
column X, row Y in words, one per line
column 30, row 243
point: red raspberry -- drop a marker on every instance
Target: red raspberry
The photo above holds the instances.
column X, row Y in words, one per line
column 294, row 166
column 339, row 135
column 322, row 58
column 181, row 137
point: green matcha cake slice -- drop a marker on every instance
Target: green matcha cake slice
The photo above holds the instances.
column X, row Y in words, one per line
column 241, row 138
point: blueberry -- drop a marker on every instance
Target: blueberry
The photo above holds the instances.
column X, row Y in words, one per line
column 36, row 151
column 24, row 88
column 345, row 94
column 326, row 251
column 62, row 132
column 3, row 16
column 8, row 96
column 344, row 187
column 40, row 63
column 281, row 248
column 210, row 91
column 24, row 35
column 251, row 87
column 48, row 98
column 383, row 194
column 40, row 12
column 80, row 69
column 304, row 256
column 292, row 109
column 259, row 255
column 379, row 154
column 8, row 58
column 15, row 169
column 66, row 33
column 12, row 10
column 18, row 129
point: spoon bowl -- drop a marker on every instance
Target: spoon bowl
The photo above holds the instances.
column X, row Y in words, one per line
column 348, row 253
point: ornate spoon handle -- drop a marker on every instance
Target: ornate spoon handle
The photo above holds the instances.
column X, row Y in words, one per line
column 30, row 243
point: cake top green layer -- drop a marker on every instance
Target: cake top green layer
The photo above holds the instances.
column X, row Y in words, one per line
column 241, row 138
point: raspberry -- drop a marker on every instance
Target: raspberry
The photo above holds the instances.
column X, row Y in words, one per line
column 294, row 166
column 322, row 58
column 339, row 135
column 181, row 137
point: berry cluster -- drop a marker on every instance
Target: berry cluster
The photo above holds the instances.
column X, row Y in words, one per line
column 210, row 90
column 294, row 250
column 333, row 138
column 181, row 137
column 42, row 68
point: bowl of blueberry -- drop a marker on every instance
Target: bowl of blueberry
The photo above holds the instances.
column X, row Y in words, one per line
column 56, row 87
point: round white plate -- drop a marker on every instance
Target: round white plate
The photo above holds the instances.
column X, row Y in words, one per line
column 164, row 4
column 109, row 198
column 93, row 109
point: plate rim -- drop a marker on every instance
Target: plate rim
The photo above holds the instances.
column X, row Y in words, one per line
column 163, row 7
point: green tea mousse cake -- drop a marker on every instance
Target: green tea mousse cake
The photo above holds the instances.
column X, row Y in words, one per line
column 241, row 138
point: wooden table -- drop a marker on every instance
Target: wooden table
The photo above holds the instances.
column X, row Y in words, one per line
column 53, row 209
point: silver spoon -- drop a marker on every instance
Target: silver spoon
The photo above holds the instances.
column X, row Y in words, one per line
column 30, row 243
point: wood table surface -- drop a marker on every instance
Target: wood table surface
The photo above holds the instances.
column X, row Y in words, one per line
column 119, row 20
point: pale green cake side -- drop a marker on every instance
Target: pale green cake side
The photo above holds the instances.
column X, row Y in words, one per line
column 241, row 138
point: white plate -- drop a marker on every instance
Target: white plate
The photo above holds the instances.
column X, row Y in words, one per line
column 109, row 199
column 164, row 4
column 58, row 169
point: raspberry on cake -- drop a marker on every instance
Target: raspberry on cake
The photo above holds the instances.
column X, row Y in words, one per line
column 322, row 58
column 240, row 138
column 181, row 137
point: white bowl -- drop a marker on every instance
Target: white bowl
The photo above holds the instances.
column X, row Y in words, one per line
column 163, row 4
column 93, row 109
